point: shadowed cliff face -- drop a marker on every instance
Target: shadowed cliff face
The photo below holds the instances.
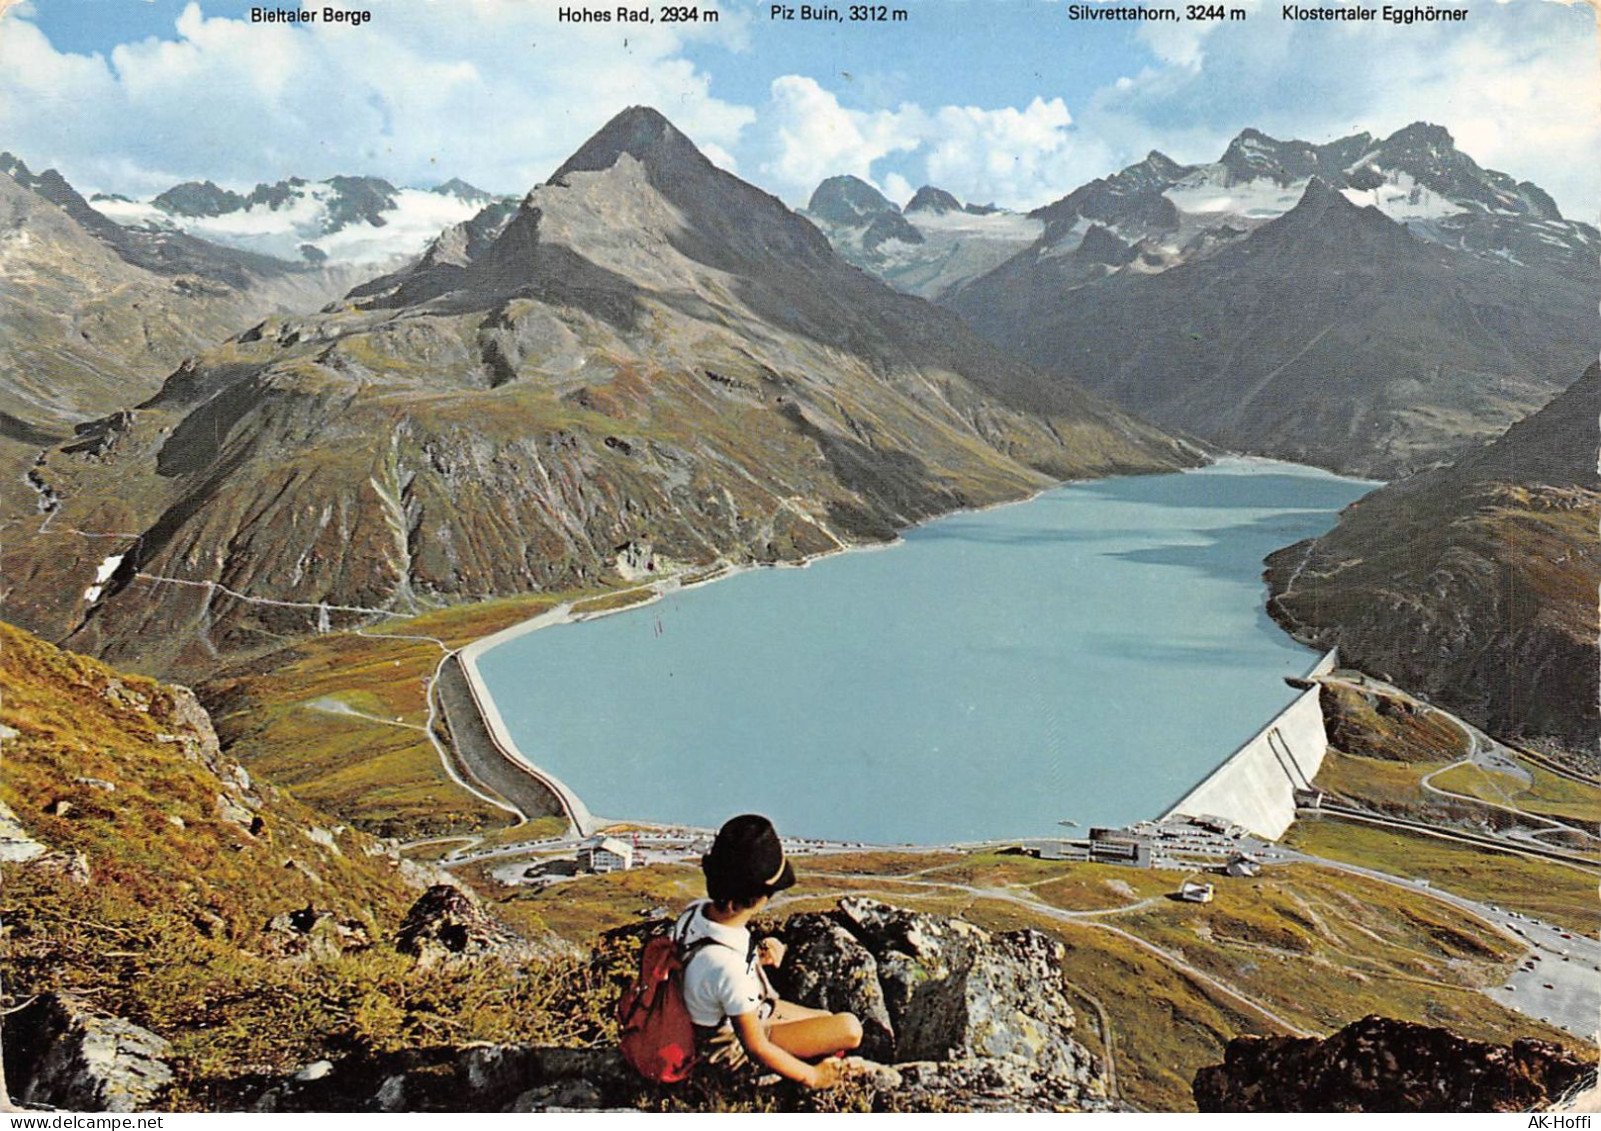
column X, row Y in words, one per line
column 1475, row 584
column 1392, row 1066
column 649, row 350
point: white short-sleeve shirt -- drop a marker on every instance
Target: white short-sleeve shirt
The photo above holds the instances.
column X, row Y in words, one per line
column 723, row 979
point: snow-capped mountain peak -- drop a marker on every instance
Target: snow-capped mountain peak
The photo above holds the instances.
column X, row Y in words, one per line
column 1416, row 177
column 932, row 246
column 343, row 219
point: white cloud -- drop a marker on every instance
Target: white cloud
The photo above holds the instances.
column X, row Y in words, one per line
column 810, row 136
column 720, row 157
column 1019, row 156
column 495, row 92
column 899, row 189
column 407, row 96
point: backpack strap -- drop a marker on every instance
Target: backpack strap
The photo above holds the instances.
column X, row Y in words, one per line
column 688, row 950
column 685, row 953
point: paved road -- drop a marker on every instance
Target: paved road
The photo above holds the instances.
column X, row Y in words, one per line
column 1557, row 981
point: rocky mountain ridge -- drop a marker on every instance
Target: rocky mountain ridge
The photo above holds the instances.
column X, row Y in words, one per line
column 342, row 219
column 1474, row 584
column 163, row 252
column 96, row 316
column 933, row 246
column 1330, row 334
column 1416, row 177
column 648, row 351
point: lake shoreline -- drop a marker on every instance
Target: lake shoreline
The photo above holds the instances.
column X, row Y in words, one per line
column 653, row 591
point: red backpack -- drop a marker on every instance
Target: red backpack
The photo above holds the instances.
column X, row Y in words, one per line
column 658, row 1037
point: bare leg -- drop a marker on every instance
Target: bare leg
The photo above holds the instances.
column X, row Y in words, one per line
column 784, row 1011
column 821, row 1035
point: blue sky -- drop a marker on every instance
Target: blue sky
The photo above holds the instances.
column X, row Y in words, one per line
column 1001, row 100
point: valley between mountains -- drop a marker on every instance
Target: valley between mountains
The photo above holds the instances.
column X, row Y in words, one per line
column 295, row 446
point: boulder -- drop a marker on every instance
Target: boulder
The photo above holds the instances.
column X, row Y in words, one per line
column 230, row 810
column 480, row 1078
column 119, row 694
column 195, row 734
column 312, row 934
column 826, row 968
column 991, row 1084
column 447, row 922
column 987, row 1010
column 16, row 843
column 60, row 1054
column 324, row 837
column 503, row 1074
column 1379, row 1064
column 71, row 866
column 562, row 1095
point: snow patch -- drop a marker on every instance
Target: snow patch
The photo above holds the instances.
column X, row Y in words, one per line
column 102, row 575
column 1010, row 226
column 1402, row 199
column 417, row 217
column 1261, row 199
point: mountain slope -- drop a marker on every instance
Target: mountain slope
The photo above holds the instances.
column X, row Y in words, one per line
column 651, row 361
column 95, row 317
column 1475, row 584
column 1331, row 335
column 161, row 251
column 84, row 327
column 150, row 877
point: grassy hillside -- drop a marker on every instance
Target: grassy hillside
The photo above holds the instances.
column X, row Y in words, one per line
column 169, row 930
column 340, row 719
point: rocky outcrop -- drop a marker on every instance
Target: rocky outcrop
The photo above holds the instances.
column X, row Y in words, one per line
column 1378, row 1064
column 60, row 1054
column 312, row 934
column 977, row 1020
column 196, row 736
column 827, row 968
column 449, row 922
column 16, row 842
column 969, row 1011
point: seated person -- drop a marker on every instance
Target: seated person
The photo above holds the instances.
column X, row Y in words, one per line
column 738, row 1018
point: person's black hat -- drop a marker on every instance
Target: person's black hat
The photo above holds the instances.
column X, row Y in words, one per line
column 746, row 860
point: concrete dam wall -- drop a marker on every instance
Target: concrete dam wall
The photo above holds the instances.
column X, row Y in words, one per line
column 1256, row 786
column 486, row 752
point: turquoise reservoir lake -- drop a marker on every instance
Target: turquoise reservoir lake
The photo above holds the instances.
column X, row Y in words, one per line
column 1088, row 655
